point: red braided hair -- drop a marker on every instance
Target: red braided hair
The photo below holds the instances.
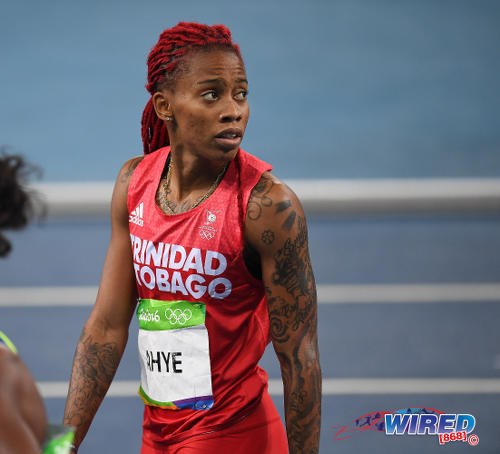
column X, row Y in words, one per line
column 163, row 61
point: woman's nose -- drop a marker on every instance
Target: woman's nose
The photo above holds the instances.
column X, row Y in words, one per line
column 231, row 111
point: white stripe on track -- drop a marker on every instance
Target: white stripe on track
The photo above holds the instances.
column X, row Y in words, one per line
column 408, row 293
column 47, row 296
column 327, row 294
column 331, row 386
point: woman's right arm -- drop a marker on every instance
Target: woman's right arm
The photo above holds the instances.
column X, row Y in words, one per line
column 104, row 335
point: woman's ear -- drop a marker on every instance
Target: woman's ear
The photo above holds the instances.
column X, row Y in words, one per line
column 162, row 105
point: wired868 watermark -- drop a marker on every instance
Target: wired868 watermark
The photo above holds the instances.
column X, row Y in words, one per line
column 448, row 427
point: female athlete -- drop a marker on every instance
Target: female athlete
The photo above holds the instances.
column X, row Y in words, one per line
column 23, row 420
column 214, row 249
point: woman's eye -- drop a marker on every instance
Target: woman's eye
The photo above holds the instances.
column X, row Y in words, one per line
column 211, row 95
column 242, row 95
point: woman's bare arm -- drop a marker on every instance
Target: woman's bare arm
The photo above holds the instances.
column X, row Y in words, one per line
column 23, row 421
column 276, row 228
column 104, row 336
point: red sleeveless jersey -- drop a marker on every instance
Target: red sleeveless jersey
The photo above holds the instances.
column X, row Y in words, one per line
column 198, row 256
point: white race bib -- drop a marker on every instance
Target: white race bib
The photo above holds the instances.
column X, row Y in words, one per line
column 174, row 355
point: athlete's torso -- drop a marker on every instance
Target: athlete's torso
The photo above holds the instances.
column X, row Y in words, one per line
column 197, row 256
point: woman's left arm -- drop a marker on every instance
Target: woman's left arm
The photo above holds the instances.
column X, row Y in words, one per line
column 275, row 227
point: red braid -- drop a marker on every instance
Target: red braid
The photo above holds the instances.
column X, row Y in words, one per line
column 173, row 44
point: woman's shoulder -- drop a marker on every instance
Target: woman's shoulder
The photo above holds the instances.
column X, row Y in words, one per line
column 128, row 169
column 269, row 185
column 271, row 198
column 120, row 191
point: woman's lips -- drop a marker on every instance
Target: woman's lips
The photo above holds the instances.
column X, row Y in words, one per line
column 229, row 138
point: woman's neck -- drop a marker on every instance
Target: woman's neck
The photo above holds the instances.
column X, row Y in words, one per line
column 190, row 173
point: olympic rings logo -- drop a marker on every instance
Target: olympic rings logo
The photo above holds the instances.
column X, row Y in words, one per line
column 178, row 316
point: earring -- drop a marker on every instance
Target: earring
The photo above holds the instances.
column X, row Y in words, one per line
column 168, row 118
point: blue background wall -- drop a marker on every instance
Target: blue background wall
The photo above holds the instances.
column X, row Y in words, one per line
column 344, row 88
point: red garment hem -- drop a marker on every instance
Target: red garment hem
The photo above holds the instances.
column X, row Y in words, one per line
column 261, row 415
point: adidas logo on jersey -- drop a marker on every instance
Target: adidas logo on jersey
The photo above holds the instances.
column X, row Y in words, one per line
column 137, row 216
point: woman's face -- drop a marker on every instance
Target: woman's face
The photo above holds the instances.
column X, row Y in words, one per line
column 208, row 103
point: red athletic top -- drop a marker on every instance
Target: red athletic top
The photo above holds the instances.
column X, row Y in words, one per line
column 237, row 320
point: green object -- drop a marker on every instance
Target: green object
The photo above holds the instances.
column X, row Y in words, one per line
column 155, row 315
column 59, row 439
column 9, row 344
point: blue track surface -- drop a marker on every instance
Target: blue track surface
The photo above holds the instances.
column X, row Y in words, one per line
column 415, row 340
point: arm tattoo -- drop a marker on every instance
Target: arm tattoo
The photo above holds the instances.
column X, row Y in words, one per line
column 289, row 221
column 282, row 206
column 292, row 312
column 125, row 176
column 293, row 271
column 267, row 236
column 94, row 367
column 260, row 197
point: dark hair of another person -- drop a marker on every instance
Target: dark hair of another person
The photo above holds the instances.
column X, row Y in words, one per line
column 18, row 205
column 163, row 66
